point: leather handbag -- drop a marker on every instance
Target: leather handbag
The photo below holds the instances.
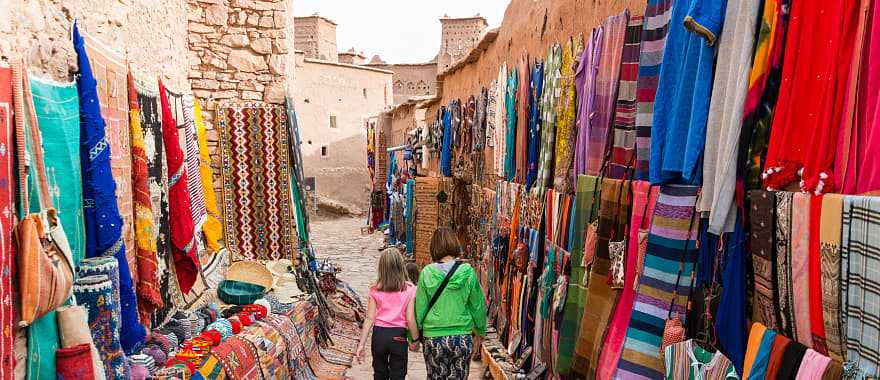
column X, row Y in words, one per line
column 45, row 262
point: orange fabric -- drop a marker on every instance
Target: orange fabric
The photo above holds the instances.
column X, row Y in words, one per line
column 755, row 336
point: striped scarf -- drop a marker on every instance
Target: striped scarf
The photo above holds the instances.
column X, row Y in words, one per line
column 623, row 139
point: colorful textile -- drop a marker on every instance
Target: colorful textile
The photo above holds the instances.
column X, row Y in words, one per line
column 75, row 362
column 759, row 366
column 258, row 214
column 688, row 361
column 212, row 369
column 615, row 29
column 783, row 264
column 535, row 90
column 765, row 308
column 667, row 250
column 271, row 348
column 7, row 202
column 149, row 298
column 212, row 228
column 814, row 265
column 296, row 357
column 817, row 61
column 756, row 333
column 566, row 112
column 96, row 294
column 730, row 318
column 239, row 358
column 813, row 366
column 549, row 100
column 800, row 263
column 791, row 360
column 193, row 163
column 859, row 244
column 104, row 224
column 777, row 351
column 682, row 107
column 57, row 111
column 585, row 83
column 724, row 125
column 600, row 297
column 856, row 170
column 584, row 212
column 107, row 266
column 500, row 120
column 182, row 244
column 448, row 357
column 510, row 127
column 764, row 82
column 830, row 229
column 650, row 64
column 623, row 138
column 643, row 200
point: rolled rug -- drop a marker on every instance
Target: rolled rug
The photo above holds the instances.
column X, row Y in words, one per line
column 96, row 294
column 106, row 265
column 73, row 329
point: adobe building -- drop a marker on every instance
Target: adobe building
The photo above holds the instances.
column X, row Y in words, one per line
column 316, row 37
column 457, row 37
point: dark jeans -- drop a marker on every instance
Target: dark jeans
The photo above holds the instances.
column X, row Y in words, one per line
column 389, row 348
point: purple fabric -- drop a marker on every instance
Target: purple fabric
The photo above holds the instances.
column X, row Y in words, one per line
column 585, row 81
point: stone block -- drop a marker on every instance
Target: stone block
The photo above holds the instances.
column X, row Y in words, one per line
column 244, row 76
column 216, row 14
column 243, row 60
column 277, row 64
column 279, row 19
column 267, row 22
column 207, row 84
column 251, row 86
column 253, row 19
column 229, row 94
column 251, row 95
column 228, row 86
column 281, row 46
column 274, row 93
column 235, row 40
column 244, row 4
column 195, row 27
column 262, row 45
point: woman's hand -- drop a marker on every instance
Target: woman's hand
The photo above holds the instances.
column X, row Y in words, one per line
column 415, row 346
column 360, row 353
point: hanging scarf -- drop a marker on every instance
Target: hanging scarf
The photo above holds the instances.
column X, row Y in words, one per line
column 817, row 324
column 196, row 193
column 510, row 136
column 212, row 228
column 585, row 82
column 623, row 140
column 800, row 255
column 607, row 77
column 522, row 117
column 103, row 221
column 859, row 244
column 535, row 89
column 566, row 110
column 500, row 120
column 829, row 245
column 783, row 264
column 149, row 297
column 765, row 308
column 182, row 243
column 549, row 99
column 818, row 55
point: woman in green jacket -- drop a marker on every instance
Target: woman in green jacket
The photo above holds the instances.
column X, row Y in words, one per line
column 458, row 315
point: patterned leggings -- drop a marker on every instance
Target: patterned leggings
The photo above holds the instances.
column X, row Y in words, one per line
column 448, row 357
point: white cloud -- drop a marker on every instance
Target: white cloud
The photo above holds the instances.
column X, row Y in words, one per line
column 400, row 31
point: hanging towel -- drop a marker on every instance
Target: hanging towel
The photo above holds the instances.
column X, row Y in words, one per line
column 104, row 224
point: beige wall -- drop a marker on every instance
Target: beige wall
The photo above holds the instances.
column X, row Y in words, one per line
column 39, row 31
column 322, row 89
column 457, row 37
column 316, row 36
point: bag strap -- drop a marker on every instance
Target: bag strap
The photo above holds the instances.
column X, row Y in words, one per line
column 26, row 124
column 440, row 289
column 645, row 210
column 683, row 255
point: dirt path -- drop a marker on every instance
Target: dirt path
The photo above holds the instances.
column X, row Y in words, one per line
column 340, row 240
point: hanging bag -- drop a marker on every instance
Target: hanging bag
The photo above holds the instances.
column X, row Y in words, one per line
column 45, row 262
column 617, row 249
column 643, row 240
column 673, row 330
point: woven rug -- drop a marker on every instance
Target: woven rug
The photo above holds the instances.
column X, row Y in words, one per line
column 6, row 201
column 212, row 368
column 666, row 250
column 111, row 72
column 299, row 365
column 258, row 213
column 271, row 348
column 96, row 294
column 239, row 359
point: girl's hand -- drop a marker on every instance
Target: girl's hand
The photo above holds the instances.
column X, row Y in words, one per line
column 360, row 353
column 415, row 347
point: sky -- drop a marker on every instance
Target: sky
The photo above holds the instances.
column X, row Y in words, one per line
column 399, row 31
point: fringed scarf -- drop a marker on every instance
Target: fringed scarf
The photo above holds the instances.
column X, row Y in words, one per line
column 183, row 248
column 213, row 228
column 829, row 245
column 196, row 192
column 149, row 296
column 103, row 222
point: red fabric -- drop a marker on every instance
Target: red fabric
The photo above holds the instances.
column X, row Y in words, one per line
column 817, row 324
column 212, row 336
column 818, row 58
column 236, row 325
column 245, row 319
column 149, row 298
column 186, row 265
column 75, row 362
column 259, row 310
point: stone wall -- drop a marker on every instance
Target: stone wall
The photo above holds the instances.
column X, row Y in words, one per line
column 457, row 37
column 150, row 33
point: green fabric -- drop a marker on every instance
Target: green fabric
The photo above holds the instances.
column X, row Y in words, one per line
column 577, row 293
column 239, row 293
column 43, row 341
column 460, row 310
column 57, row 109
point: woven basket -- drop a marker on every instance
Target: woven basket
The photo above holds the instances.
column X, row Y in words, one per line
column 251, row 272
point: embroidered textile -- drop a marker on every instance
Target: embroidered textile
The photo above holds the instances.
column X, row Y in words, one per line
column 7, row 205
column 256, row 191
column 96, row 294
column 566, row 110
column 654, row 297
column 765, row 308
column 149, row 297
column 239, row 359
column 783, row 263
column 829, row 244
column 182, row 243
column 104, row 223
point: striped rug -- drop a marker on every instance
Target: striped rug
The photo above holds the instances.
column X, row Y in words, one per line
column 666, row 249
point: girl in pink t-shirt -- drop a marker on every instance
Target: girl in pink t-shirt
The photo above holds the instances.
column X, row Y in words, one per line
column 390, row 313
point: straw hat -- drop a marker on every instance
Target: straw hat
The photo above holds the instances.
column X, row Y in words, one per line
column 285, row 287
column 251, row 272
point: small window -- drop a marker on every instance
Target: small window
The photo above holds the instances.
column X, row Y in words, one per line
column 323, row 151
column 332, row 121
column 365, row 93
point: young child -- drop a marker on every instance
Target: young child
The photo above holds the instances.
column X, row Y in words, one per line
column 390, row 313
column 412, row 271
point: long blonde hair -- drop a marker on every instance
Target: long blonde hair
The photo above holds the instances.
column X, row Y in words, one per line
column 392, row 272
